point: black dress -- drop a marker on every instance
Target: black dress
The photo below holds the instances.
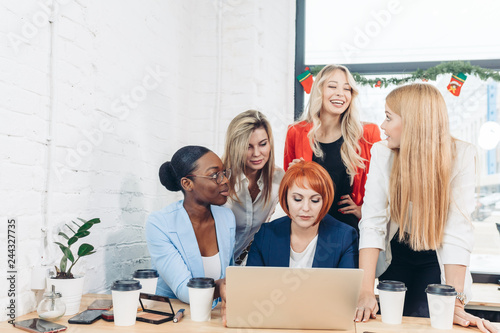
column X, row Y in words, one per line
column 416, row 269
column 332, row 162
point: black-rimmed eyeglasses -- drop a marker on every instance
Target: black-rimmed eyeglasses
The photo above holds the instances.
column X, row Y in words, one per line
column 218, row 177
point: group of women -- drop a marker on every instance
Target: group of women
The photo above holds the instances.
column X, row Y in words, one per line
column 408, row 199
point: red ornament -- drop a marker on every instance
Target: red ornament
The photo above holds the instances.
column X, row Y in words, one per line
column 379, row 84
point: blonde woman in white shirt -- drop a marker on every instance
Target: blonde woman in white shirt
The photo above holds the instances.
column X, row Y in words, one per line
column 253, row 188
column 416, row 225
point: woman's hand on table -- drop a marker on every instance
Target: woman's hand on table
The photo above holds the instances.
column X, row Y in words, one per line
column 222, row 293
column 367, row 307
column 463, row 318
column 351, row 207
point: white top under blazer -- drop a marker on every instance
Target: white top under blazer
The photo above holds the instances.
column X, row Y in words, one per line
column 377, row 230
column 211, row 266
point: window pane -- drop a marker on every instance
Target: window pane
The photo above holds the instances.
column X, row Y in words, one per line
column 348, row 32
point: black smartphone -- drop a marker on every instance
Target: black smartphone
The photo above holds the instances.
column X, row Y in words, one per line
column 86, row 317
column 39, row 325
column 101, row 304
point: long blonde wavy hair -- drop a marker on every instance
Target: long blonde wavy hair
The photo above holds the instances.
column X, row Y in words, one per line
column 235, row 152
column 421, row 172
column 352, row 130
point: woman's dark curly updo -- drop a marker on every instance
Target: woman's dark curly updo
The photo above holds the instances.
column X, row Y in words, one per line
column 183, row 163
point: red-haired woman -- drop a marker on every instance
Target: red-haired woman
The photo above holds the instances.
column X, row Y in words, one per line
column 308, row 236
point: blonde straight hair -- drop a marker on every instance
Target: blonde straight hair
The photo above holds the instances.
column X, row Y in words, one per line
column 421, row 172
column 352, row 130
column 235, row 152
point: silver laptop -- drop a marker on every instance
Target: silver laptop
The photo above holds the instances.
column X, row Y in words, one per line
column 296, row 298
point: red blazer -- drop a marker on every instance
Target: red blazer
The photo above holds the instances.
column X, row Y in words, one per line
column 297, row 146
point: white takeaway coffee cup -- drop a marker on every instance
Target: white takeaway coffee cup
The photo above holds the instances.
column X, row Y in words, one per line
column 392, row 298
column 441, row 300
column 201, row 296
column 148, row 279
column 125, row 294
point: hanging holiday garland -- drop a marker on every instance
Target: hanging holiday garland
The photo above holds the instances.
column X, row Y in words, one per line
column 453, row 67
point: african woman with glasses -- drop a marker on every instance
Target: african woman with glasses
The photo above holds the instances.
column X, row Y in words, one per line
column 193, row 237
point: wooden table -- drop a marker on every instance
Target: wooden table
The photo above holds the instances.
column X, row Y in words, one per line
column 409, row 324
column 485, row 296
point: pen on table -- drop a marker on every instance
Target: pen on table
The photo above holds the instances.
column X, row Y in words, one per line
column 178, row 316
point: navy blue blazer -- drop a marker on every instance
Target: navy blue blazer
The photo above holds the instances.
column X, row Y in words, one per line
column 337, row 245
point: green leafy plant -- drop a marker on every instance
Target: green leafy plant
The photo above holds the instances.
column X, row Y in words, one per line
column 63, row 272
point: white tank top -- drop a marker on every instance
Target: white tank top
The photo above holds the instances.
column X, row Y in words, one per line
column 211, row 265
column 305, row 258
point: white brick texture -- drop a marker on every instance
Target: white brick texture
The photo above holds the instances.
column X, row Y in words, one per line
column 95, row 102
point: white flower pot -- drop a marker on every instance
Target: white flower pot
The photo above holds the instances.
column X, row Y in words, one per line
column 71, row 291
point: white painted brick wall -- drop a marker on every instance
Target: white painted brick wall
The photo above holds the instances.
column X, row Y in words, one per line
column 105, row 155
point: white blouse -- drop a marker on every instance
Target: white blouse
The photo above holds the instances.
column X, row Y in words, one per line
column 212, row 267
column 305, row 258
column 377, row 230
column 250, row 215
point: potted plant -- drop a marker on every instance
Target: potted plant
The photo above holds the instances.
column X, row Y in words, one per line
column 71, row 287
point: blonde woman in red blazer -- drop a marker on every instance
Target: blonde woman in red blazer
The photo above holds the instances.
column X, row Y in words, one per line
column 331, row 134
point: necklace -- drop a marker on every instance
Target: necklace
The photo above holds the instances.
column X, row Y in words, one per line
column 254, row 190
column 253, row 187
